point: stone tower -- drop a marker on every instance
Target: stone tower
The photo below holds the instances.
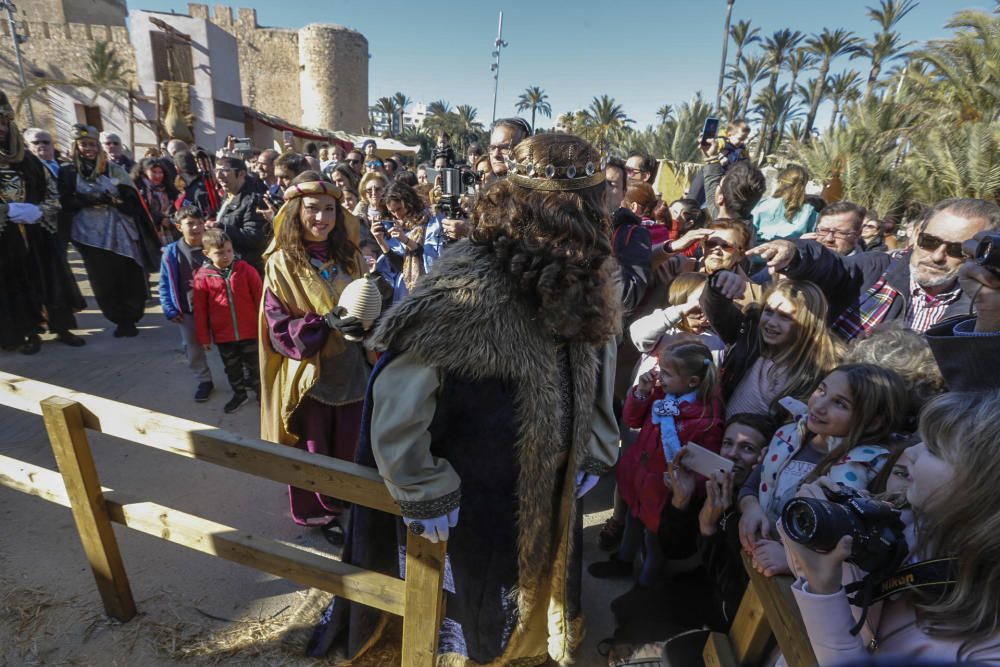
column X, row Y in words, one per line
column 333, row 77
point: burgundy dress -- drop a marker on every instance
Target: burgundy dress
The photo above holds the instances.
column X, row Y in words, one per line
column 331, row 430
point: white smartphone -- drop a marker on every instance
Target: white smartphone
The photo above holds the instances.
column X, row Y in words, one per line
column 704, row 461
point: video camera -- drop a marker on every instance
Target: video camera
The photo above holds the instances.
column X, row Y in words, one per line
column 455, row 182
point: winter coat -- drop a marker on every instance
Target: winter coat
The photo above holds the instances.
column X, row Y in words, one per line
column 240, row 218
column 640, row 471
column 226, row 303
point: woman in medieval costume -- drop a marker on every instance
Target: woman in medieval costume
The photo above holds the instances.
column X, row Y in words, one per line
column 36, row 283
column 489, row 414
column 312, row 378
column 110, row 229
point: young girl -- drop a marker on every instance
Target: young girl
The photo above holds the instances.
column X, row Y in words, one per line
column 682, row 315
column 952, row 491
column 674, row 404
column 780, row 349
column 842, row 434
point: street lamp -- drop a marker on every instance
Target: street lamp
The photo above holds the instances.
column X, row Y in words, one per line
column 18, row 40
column 495, row 67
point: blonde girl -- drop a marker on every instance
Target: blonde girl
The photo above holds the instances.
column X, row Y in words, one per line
column 782, row 348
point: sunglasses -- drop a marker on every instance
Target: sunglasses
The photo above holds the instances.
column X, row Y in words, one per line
column 373, row 164
column 931, row 243
column 40, row 142
column 717, row 243
column 354, row 162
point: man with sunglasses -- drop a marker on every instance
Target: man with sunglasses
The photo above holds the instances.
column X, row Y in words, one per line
column 113, row 147
column 356, row 161
column 240, row 216
column 919, row 285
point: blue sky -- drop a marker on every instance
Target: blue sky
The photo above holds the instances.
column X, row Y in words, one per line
column 644, row 53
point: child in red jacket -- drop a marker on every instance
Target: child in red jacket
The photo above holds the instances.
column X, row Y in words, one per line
column 227, row 296
column 675, row 403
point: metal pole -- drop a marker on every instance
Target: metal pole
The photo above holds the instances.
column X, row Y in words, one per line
column 9, row 6
column 725, row 49
column 499, row 44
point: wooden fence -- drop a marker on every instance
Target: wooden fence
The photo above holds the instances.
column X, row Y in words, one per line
column 419, row 599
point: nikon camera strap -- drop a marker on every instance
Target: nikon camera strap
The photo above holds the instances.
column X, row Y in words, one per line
column 930, row 576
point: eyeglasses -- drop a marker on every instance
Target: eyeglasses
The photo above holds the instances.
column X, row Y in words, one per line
column 718, row 243
column 931, row 243
column 835, row 233
column 870, row 225
column 503, row 148
column 40, row 142
column 631, row 171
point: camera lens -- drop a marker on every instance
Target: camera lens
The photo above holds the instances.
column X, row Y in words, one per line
column 984, row 251
column 818, row 524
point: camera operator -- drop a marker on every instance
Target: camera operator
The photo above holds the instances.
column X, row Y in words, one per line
column 452, row 185
column 965, row 347
column 946, row 610
column 411, row 242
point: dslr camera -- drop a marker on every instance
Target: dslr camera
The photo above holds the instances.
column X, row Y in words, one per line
column 879, row 545
column 988, row 253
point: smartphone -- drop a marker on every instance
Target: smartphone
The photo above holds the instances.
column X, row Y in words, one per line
column 704, row 461
column 286, row 136
column 710, row 130
column 243, row 145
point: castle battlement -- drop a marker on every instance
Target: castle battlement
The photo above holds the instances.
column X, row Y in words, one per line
column 75, row 32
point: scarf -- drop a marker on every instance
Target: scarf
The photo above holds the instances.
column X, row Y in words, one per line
column 415, row 228
column 664, row 412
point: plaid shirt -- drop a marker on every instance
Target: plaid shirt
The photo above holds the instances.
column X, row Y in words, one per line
column 868, row 312
column 926, row 310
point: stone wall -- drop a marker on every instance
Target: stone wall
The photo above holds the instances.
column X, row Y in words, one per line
column 274, row 63
column 55, row 50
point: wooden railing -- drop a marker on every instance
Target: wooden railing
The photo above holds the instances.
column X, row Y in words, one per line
column 767, row 610
column 419, row 599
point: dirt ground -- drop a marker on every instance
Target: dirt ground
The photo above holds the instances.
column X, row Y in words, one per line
column 194, row 609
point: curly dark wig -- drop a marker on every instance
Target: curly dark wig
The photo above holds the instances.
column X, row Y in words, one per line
column 556, row 246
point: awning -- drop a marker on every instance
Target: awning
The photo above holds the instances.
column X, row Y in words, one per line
column 313, row 134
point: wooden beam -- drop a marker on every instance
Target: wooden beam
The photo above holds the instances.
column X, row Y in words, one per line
column 750, row 632
column 287, row 465
column 719, row 652
column 775, row 594
column 64, row 423
column 278, row 558
column 424, row 607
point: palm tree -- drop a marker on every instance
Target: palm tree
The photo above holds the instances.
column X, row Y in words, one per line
column 402, row 101
column 743, row 36
column 884, row 45
column 664, row 113
column 105, row 74
column 779, row 47
column 948, row 163
column 725, row 52
column 842, row 87
column 438, row 116
column 466, row 124
column 750, row 71
column 605, row 122
column 775, row 106
column 534, row 98
column 826, row 46
column 799, row 61
column 387, row 106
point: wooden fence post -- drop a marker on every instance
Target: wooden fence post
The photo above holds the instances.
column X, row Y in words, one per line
column 64, row 423
column 423, row 608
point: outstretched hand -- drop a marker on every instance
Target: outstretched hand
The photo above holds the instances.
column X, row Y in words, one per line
column 778, row 254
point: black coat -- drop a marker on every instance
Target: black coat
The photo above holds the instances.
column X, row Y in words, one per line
column 968, row 363
column 240, row 218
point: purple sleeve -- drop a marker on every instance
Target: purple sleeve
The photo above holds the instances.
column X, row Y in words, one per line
column 293, row 337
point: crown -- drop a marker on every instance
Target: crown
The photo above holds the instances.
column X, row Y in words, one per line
column 542, row 174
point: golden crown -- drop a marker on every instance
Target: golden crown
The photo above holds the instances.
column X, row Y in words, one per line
column 541, row 174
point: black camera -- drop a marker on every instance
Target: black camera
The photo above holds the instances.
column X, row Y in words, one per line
column 455, row 182
column 988, row 253
column 879, row 544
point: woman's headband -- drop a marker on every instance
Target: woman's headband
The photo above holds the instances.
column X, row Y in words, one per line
column 312, row 188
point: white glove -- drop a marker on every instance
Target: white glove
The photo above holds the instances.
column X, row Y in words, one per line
column 436, row 529
column 23, row 214
column 585, row 481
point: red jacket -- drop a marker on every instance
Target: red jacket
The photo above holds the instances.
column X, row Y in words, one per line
column 640, row 471
column 226, row 303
